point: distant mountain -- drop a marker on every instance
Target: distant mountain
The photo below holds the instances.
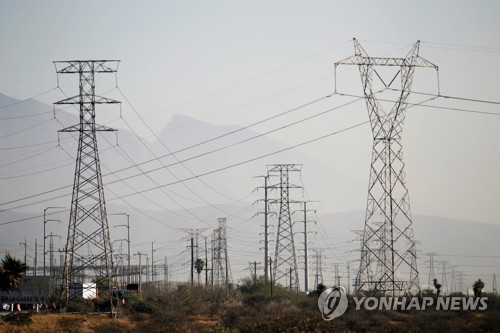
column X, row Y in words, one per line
column 38, row 165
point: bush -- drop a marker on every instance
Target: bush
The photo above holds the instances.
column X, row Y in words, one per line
column 81, row 305
column 111, row 327
column 18, row 318
column 69, row 325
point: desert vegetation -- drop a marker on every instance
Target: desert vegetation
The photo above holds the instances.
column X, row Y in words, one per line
column 249, row 308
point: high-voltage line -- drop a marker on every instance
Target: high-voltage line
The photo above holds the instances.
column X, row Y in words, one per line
column 388, row 255
column 89, row 254
column 285, row 256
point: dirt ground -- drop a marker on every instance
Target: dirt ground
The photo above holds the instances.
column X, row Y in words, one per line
column 59, row 323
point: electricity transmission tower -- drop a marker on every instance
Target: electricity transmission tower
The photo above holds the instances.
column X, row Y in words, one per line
column 221, row 268
column 318, row 261
column 432, row 275
column 388, row 256
column 285, row 256
column 88, row 249
column 444, row 277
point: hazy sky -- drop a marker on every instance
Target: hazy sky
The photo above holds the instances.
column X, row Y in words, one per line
column 237, row 62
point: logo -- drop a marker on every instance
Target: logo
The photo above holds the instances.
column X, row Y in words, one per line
column 332, row 303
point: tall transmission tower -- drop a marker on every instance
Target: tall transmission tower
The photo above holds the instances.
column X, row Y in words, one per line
column 432, row 274
column 318, row 263
column 88, row 249
column 444, row 277
column 221, row 268
column 388, row 256
column 453, row 281
column 285, row 256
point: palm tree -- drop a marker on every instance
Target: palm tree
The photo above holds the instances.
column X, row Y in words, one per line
column 478, row 287
column 198, row 265
column 11, row 272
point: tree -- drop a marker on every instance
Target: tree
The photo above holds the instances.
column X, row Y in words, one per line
column 198, row 265
column 478, row 287
column 438, row 287
column 11, row 272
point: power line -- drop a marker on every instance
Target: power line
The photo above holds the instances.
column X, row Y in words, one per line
column 250, row 79
column 452, row 97
column 163, row 165
column 27, row 99
column 341, row 94
column 429, row 106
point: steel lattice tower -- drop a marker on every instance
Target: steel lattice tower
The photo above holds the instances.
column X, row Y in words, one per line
column 88, row 249
column 285, row 256
column 318, row 260
column 221, row 267
column 388, row 255
column 432, row 275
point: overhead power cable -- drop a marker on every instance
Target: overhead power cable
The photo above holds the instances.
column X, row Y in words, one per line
column 430, row 106
column 28, row 99
column 341, row 94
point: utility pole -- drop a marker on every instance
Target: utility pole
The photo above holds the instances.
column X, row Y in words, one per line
column 388, row 258
column 212, row 243
column 193, row 235
column 348, row 279
column 25, row 248
column 494, row 284
column 128, row 242
column 44, row 232
column 206, row 262
column 140, row 273
column 152, row 261
column 271, row 274
column 337, row 276
column 306, row 250
column 266, row 226
column 165, row 271
column 192, row 260
column 36, row 256
column 255, row 271
column 88, row 230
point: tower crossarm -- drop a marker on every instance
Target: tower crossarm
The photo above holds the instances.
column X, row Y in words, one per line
column 78, row 100
column 414, row 61
column 361, row 58
column 86, row 66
